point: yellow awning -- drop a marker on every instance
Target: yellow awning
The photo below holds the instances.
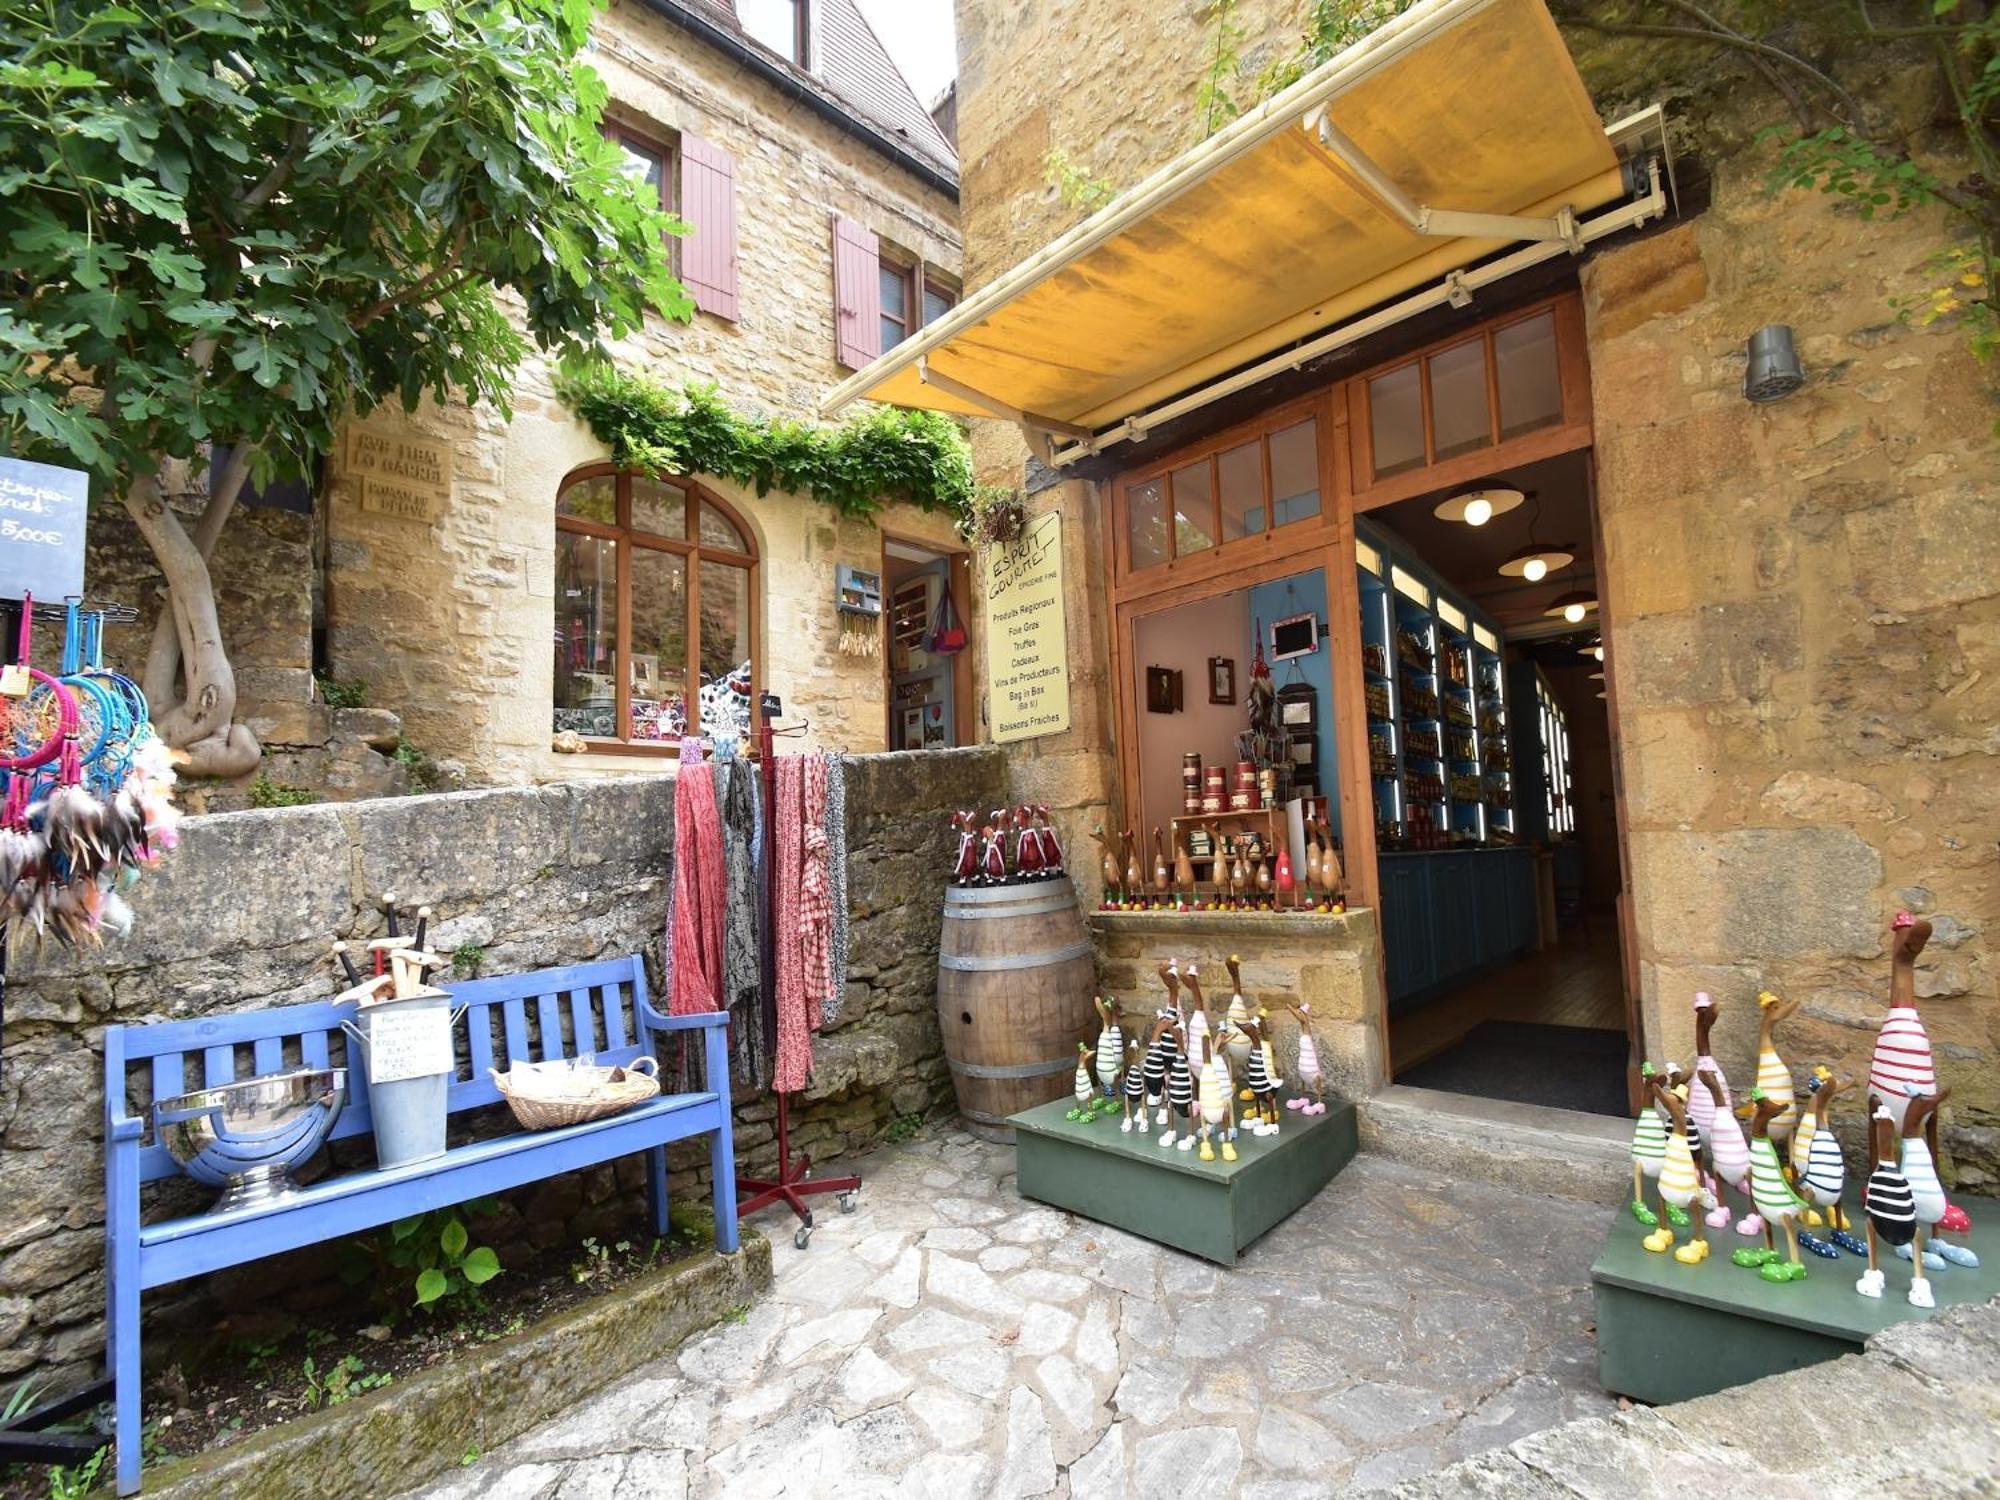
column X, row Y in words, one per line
column 1380, row 172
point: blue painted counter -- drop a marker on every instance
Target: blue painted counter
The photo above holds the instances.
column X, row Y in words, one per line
column 1449, row 913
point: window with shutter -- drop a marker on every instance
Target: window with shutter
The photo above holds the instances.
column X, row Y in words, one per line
column 708, row 204
column 857, row 293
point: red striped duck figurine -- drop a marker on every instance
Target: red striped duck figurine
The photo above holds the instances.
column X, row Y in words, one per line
column 1890, row 1206
column 1902, row 1068
column 1776, row 1203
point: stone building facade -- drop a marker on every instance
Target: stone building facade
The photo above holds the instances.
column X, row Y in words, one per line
column 1801, row 601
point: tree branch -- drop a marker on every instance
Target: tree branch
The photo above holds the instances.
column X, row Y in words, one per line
column 281, row 170
column 163, row 657
column 421, row 288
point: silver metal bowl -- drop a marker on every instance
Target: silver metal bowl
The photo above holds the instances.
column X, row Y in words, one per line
column 245, row 1137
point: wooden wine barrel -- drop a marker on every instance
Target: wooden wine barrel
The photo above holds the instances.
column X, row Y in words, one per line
column 1016, row 976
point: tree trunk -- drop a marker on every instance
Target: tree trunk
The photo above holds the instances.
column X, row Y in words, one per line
column 200, row 723
column 163, row 659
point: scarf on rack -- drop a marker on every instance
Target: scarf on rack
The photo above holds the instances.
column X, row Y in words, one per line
column 698, row 887
column 836, row 853
column 742, row 968
column 815, row 897
column 787, row 835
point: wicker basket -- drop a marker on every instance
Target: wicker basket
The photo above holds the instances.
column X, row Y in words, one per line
column 539, row 1105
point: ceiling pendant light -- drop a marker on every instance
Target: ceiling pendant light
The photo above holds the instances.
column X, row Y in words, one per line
column 1479, row 504
column 1535, row 563
column 1572, row 606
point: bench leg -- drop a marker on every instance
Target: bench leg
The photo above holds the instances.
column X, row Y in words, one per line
column 122, row 1341
column 722, row 1167
column 656, row 1189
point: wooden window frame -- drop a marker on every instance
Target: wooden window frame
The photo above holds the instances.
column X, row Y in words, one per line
column 909, row 273
column 694, row 552
column 1571, row 431
column 669, row 154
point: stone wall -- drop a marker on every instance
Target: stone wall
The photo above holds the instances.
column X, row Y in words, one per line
column 243, row 912
column 449, row 623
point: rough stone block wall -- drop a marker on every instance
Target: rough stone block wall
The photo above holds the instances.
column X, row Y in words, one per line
column 242, row 913
column 1331, row 963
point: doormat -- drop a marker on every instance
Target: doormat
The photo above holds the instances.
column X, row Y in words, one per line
column 1560, row 1067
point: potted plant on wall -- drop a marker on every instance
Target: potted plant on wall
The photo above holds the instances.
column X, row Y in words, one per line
column 995, row 516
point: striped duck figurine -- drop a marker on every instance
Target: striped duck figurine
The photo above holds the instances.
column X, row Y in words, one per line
column 1166, row 1024
column 1135, row 1089
column 1891, row 1208
column 1237, row 1013
column 1680, row 1180
column 1728, row 1152
column 1926, row 1190
column 1801, row 1150
column 1086, row 1091
column 1110, row 1047
column 1773, row 1077
column 1822, row 1176
column 1776, row 1203
column 1218, row 1103
column 1902, row 1068
column 1260, row 1077
column 1306, row 1065
column 1197, row 1019
column 1701, row 1104
column 1180, row 1095
column 1649, row 1150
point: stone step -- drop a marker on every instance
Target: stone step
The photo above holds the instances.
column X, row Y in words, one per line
column 1560, row 1153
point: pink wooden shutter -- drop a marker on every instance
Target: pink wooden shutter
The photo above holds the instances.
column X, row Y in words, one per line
column 857, row 293
column 708, row 203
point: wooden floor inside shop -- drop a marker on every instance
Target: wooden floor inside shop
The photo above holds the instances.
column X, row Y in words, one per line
column 1571, row 983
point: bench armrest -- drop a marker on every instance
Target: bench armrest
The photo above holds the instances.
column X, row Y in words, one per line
column 118, row 1126
column 652, row 1020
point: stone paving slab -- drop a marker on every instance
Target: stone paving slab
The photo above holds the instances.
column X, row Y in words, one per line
column 950, row 1339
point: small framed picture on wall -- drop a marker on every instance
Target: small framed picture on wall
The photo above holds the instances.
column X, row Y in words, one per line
column 1221, row 679
column 1163, row 690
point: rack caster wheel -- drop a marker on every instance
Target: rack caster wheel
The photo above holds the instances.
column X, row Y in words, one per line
column 847, row 1203
column 802, row 1237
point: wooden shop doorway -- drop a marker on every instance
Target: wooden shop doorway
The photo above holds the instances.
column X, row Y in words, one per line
column 927, row 688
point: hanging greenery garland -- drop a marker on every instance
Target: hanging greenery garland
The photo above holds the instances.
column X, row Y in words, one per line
column 880, row 458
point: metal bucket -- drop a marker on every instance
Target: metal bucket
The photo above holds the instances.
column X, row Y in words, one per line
column 406, row 1055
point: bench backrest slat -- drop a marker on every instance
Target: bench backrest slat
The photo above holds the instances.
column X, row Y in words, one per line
column 602, row 1011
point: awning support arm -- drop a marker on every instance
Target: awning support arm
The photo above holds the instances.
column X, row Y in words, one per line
column 1444, row 223
column 1039, row 429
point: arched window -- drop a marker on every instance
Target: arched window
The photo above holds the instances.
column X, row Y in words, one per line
column 656, row 610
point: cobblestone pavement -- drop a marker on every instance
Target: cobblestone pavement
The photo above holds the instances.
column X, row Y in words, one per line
column 950, row 1339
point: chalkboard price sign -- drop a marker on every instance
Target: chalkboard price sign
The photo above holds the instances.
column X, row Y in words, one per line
column 42, row 515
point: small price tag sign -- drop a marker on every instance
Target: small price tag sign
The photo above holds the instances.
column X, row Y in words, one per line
column 42, row 514
column 408, row 1044
column 15, row 681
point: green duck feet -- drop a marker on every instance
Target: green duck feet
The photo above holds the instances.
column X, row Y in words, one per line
column 1644, row 1214
column 1677, row 1216
column 1753, row 1259
column 1781, row 1271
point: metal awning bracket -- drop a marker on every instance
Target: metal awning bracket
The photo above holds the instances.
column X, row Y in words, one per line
column 1039, row 429
column 1457, row 294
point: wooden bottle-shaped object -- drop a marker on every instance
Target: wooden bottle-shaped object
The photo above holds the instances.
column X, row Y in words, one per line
column 1312, row 860
column 1776, row 1203
column 1162, row 876
column 1773, row 1077
column 1183, row 868
column 1107, row 865
column 1027, row 847
column 965, row 863
column 1264, row 877
column 1902, row 1059
column 1890, row 1206
column 1052, row 850
column 1285, row 882
column 1329, row 865
column 1135, row 878
column 1680, row 1182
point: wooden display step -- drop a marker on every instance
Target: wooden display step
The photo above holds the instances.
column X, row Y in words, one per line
column 1669, row 1332
column 1213, row 1209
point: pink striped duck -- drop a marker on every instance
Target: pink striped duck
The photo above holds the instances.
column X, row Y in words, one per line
column 1702, row 1104
column 1728, row 1155
column 1902, row 1068
column 1310, row 1072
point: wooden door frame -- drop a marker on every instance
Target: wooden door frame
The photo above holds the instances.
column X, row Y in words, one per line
column 959, row 579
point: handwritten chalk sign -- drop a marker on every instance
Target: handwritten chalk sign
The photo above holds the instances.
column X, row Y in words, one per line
column 42, row 514
column 1027, row 636
column 407, row 1044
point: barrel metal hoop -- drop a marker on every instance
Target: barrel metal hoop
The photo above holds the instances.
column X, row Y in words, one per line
column 1040, row 908
column 1014, row 960
column 1013, row 1070
column 972, row 895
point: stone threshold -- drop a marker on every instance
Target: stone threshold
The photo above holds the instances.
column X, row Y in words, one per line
column 424, row 1426
column 1561, row 1153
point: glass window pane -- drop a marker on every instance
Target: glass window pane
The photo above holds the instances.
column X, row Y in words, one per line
column 1194, row 509
column 1241, row 474
column 586, row 636
column 643, row 165
column 892, row 335
column 1530, row 387
column 591, row 500
column 1146, row 523
column 1396, row 421
column 1295, row 473
column 895, row 291
column 725, row 649
column 659, row 507
column 659, row 644
column 1460, row 418
column 937, row 304
column 717, row 530
column 775, row 23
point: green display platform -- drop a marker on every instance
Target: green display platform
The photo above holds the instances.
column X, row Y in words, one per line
column 1669, row 1332
column 1211, row 1209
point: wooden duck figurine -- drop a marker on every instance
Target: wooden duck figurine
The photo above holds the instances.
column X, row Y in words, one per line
column 1800, row 1149
column 1183, row 870
column 1136, row 1058
column 1180, row 1093
column 1234, row 1017
column 1163, row 877
column 1260, row 1078
column 1902, row 1067
column 1135, row 878
column 1110, row 1047
column 1166, row 1023
column 1920, row 1171
column 1086, row 1091
column 1776, row 1203
column 1307, row 1067
column 1649, row 1150
column 1312, row 861
column 1197, row 1019
column 1107, row 866
column 1218, row 1104
column 1773, row 1077
column 1703, row 1105
column 1822, row 1170
column 1728, row 1151
column 1680, row 1181
column 1330, row 870
column 1891, row 1208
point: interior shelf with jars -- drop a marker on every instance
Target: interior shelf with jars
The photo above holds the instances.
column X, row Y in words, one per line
column 1436, row 693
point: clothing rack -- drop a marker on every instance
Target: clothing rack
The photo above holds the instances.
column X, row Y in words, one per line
column 792, row 1185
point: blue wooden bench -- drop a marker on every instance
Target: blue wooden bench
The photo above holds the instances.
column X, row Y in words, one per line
column 597, row 1008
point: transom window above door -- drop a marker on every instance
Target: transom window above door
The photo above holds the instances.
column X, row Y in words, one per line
column 655, row 611
column 1244, row 490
